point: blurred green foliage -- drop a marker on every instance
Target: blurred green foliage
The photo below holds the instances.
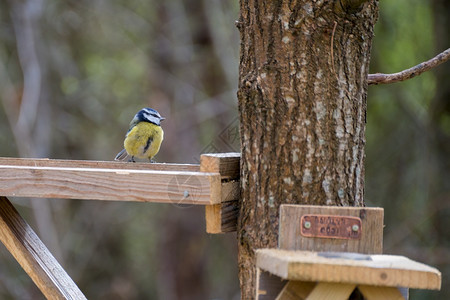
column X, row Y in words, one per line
column 73, row 74
column 408, row 146
column 92, row 66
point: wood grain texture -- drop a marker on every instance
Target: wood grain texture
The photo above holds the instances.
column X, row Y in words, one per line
column 213, row 218
column 222, row 218
column 335, row 291
column 378, row 270
column 227, row 164
column 296, row 290
column 64, row 163
column 102, row 181
column 371, row 241
column 33, row 256
column 268, row 286
column 230, row 190
column 380, row 293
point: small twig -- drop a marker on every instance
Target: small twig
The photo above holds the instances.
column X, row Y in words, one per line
column 380, row 78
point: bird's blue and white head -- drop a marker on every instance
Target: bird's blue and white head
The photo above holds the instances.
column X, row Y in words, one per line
column 147, row 115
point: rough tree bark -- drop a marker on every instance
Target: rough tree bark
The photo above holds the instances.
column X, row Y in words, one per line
column 302, row 102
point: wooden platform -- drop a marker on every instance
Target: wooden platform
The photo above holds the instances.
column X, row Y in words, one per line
column 102, row 180
column 335, row 275
column 378, row 270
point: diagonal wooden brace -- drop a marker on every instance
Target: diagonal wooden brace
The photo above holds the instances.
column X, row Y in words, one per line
column 33, row 256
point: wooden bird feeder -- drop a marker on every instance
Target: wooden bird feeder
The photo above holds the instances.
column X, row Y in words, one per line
column 334, row 275
column 315, row 258
column 214, row 183
column 344, row 246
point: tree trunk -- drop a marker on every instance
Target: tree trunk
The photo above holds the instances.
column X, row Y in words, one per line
column 302, row 102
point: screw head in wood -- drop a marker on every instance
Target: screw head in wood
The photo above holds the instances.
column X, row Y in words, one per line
column 355, row 227
column 307, row 224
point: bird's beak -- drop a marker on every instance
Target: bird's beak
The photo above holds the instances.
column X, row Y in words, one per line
column 162, row 118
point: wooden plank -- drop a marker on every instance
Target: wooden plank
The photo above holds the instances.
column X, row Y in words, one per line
column 331, row 291
column 268, row 286
column 222, row 218
column 63, row 163
column 290, row 237
column 227, row 164
column 231, row 190
column 380, row 293
column 33, row 256
column 296, row 290
column 213, row 217
column 378, row 270
column 183, row 187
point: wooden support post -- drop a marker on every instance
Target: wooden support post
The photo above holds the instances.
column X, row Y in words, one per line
column 296, row 290
column 222, row 217
column 335, row 291
column 33, row 256
column 268, row 286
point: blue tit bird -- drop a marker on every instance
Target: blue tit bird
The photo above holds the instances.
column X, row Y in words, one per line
column 144, row 137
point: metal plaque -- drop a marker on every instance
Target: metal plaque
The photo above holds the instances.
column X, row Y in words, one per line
column 329, row 226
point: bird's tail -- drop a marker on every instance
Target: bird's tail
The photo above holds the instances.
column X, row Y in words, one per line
column 121, row 155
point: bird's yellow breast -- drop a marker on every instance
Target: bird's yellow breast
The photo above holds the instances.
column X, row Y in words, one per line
column 144, row 140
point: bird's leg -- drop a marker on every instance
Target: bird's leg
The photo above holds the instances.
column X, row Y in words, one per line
column 132, row 159
column 152, row 161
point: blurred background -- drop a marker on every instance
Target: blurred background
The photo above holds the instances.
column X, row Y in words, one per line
column 74, row 73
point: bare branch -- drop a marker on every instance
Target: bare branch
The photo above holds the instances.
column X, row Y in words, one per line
column 380, row 78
